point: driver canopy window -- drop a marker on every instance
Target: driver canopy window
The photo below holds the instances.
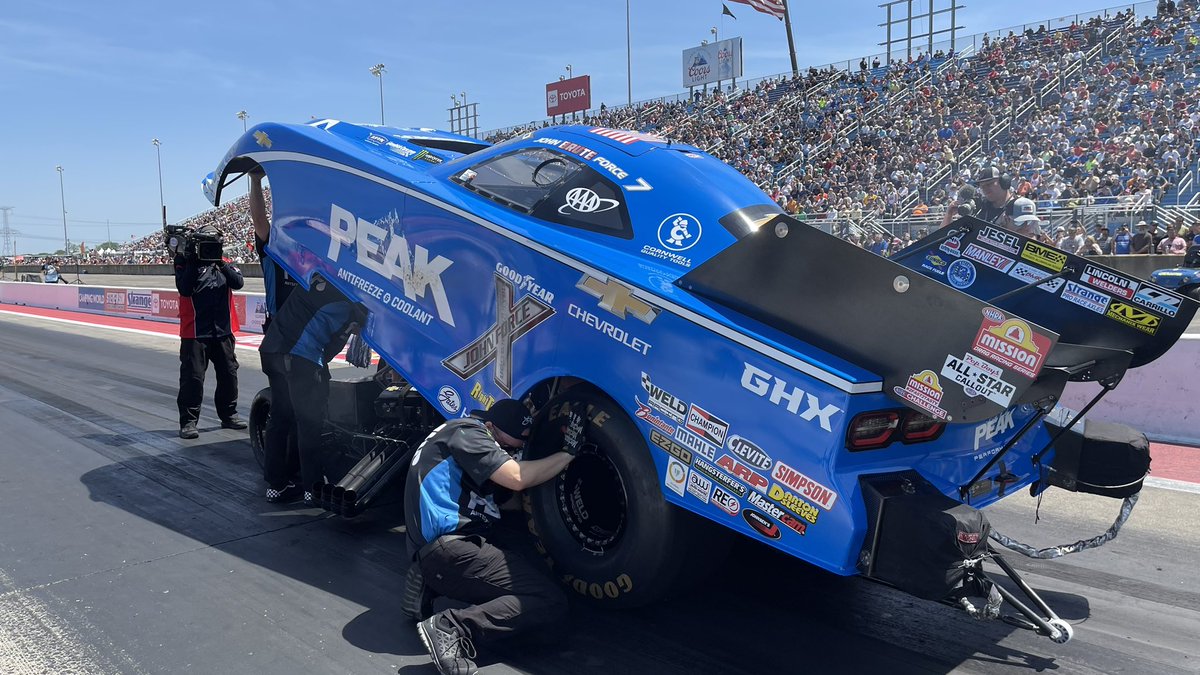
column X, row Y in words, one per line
column 551, row 186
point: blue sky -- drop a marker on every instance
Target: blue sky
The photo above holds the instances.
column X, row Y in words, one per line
column 87, row 85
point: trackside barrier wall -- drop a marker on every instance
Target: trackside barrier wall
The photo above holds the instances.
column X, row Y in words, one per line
column 154, row 304
column 1161, row 398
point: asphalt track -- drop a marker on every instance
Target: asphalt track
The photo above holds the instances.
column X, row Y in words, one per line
column 124, row 549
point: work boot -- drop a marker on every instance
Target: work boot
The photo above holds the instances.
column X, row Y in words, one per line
column 234, row 422
column 189, row 431
column 417, row 601
column 451, row 650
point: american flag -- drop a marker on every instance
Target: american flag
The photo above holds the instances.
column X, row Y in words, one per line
column 772, row 7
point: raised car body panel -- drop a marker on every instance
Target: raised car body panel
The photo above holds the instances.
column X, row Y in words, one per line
column 473, row 301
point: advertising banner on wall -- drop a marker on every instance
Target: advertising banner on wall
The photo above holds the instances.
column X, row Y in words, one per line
column 166, row 305
column 568, row 96
column 712, row 62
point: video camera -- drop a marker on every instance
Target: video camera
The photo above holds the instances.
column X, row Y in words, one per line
column 205, row 244
column 970, row 201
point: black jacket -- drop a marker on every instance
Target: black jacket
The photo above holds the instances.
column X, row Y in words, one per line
column 205, row 297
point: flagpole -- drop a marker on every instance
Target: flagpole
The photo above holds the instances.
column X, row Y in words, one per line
column 787, row 21
column 628, row 59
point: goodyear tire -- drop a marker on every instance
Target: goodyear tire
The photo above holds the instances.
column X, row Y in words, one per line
column 260, row 412
column 603, row 524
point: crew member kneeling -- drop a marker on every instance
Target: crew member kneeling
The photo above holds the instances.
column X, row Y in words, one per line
column 449, row 509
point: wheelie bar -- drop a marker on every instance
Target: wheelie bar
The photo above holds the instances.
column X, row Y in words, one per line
column 1047, row 623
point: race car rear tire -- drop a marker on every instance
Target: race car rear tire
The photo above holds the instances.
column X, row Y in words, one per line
column 602, row 524
column 260, row 412
column 1193, row 293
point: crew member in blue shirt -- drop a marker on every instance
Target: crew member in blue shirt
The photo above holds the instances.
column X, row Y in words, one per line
column 309, row 330
column 449, row 510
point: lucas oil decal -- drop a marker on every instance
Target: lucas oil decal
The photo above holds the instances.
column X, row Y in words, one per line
column 1011, row 342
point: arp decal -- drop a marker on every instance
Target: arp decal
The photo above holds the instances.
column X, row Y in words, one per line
column 1147, row 296
column 809, row 488
column 707, row 425
column 646, row 414
column 749, row 452
column 743, row 471
column 1109, row 282
column 1134, row 318
column 1001, row 239
column 1030, row 274
column 1050, row 258
column 513, row 321
column 695, row 443
column 1086, row 297
column 999, row 424
column 791, row 521
column 664, row 401
column 762, row 383
column 924, row 390
column 617, row 299
column 1011, row 342
column 989, row 257
column 726, row 502
column 979, row 378
column 699, row 486
column 961, row 274
column 676, row 476
column 383, row 249
column 718, row 477
column 670, row 446
column 761, row 524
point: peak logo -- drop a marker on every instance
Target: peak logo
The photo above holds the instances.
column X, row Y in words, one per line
column 386, row 252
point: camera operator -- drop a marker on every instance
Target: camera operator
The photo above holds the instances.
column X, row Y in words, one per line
column 206, row 332
column 988, row 199
column 310, row 329
column 992, row 200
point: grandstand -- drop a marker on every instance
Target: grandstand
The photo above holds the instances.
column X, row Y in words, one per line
column 1097, row 120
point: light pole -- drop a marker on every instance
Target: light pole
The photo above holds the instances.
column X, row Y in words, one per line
column 378, row 70
column 242, row 115
column 162, row 203
column 62, row 194
column 569, row 76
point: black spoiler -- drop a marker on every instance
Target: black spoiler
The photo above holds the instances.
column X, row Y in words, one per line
column 962, row 348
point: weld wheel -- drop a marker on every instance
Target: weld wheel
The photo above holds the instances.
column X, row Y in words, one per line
column 602, row 524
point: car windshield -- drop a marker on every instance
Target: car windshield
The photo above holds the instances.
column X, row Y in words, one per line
column 521, row 179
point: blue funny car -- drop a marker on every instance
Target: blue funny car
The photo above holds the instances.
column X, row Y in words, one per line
column 734, row 366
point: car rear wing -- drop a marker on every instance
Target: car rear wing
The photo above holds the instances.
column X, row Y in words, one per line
column 938, row 350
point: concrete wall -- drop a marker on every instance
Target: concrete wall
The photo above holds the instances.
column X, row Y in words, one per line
column 68, row 269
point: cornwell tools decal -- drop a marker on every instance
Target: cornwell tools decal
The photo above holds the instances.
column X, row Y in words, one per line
column 512, row 322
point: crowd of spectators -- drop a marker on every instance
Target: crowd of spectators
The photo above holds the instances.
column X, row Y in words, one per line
column 1103, row 111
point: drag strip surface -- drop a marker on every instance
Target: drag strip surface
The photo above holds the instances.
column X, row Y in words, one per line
column 124, row 549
